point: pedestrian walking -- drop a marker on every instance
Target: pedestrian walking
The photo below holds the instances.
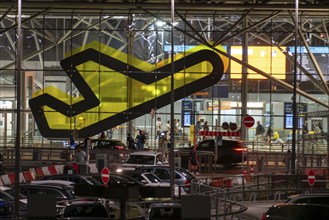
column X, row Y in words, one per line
column 269, row 135
column 205, row 129
column 158, row 127
column 260, row 130
column 194, row 160
column 80, row 158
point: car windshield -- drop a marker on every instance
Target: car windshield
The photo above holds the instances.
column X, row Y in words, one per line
column 5, row 196
column 186, row 173
column 152, row 178
column 141, row 159
column 165, row 213
column 93, row 181
column 11, row 192
column 70, row 193
column 85, row 211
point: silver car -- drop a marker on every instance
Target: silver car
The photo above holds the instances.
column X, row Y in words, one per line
column 183, row 177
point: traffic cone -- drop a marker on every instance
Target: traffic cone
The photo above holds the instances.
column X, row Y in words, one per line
column 246, row 176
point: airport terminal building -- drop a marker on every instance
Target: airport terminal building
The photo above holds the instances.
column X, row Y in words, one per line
column 85, row 67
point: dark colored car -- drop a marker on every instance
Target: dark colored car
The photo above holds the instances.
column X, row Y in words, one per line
column 60, row 191
column 314, row 198
column 296, row 211
column 183, row 177
column 76, row 178
column 84, row 209
column 6, row 209
column 116, row 178
column 7, row 201
column 168, row 211
column 107, row 144
column 227, row 152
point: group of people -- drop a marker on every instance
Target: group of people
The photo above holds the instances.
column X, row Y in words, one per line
column 159, row 129
column 267, row 136
column 138, row 142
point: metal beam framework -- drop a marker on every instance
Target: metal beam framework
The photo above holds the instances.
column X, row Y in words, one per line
column 201, row 21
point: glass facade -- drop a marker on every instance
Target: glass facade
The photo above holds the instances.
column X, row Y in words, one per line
column 89, row 71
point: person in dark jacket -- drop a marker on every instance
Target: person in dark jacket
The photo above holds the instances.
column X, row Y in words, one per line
column 269, row 134
column 130, row 142
column 260, row 130
column 194, row 160
column 140, row 139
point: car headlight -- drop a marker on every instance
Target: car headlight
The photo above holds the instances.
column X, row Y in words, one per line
column 119, row 170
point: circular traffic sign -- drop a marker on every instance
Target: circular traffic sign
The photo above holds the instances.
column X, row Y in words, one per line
column 248, row 121
column 311, row 177
column 225, row 125
column 233, row 126
column 105, row 174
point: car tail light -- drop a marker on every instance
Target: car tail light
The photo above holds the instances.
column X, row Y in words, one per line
column 240, row 149
column 187, row 183
column 119, row 147
column 263, row 216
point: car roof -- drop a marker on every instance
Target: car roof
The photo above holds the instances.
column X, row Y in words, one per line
column 44, row 186
column 308, row 195
column 147, row 153
column 72, row 175
column 300, row 205
column 160, row 166
column 53, row 182
column 165, row 205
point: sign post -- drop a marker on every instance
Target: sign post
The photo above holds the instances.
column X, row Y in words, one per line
column 105, row 174
column 248, row 121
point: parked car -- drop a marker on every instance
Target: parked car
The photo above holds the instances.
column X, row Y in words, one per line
column 296, row 211
column 119, row 178
column 143, row 159
column 84, row 209
column 149, row 179
column 7, row 199
column 5, row 190
column 6, row 209
column 183, row 177
column 227, row 152
column 314, row 198
column 76, row 178
column 60, row 191
column 105, row 144
column 54, row 182
column 134, row 211
column 167, row 211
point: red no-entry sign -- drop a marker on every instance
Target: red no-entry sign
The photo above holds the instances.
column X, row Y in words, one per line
column 311, row 177
column 105, row 175
column 248, row 121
